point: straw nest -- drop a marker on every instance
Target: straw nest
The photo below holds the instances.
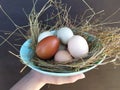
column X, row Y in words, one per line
column 104, row 41
column 101, row 40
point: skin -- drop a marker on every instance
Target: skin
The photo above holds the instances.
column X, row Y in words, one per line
column 35, row 81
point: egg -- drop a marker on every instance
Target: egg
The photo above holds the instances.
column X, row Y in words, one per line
column 53, row 32
column 47, row 47
column 62, row 56
column 64, row 34
column 46, row 34
column 78, row 46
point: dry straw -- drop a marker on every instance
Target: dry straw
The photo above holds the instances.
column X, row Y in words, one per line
column 104, row 41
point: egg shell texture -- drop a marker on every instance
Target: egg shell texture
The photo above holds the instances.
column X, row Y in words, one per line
column 47, row 47
column 64, row 34
column 62, row 56
column 78, row 47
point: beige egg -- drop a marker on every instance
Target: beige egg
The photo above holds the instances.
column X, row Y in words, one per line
column 62, row 56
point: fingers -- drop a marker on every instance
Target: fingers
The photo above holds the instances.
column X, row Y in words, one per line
column 58, row 80
column 66, row 80
column 73, row 79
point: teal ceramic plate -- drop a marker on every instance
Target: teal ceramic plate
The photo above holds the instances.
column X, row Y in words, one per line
column 26, row 53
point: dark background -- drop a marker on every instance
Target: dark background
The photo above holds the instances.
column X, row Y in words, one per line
column 101, row 78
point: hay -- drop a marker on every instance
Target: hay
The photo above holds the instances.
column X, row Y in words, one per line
column 104, row 42
column 98, row 50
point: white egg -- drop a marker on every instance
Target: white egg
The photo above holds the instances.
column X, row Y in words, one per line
column 78, row 47
column 64, row 34
column 46, row 34
column 62, row 56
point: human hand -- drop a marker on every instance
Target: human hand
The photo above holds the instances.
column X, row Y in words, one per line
column 57, row 80
column 35, row 80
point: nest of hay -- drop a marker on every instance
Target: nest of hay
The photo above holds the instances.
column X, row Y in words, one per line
column 95, row 55
column 104, row 42
column 62, row 19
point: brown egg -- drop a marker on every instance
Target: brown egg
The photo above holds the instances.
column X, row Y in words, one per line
column 47, row 48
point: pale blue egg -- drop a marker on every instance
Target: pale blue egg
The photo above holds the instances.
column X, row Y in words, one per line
column 64, row 34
